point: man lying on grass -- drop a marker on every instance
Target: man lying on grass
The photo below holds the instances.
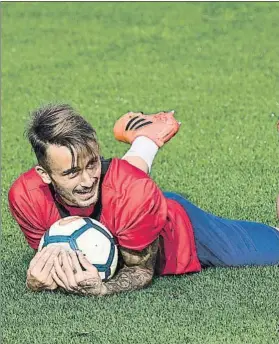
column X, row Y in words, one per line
column 157, row 232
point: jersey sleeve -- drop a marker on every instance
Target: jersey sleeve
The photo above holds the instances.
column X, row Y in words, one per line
column 141, row 216
column 26, row 215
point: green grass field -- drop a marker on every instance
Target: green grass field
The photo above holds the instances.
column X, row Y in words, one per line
column 217, row 65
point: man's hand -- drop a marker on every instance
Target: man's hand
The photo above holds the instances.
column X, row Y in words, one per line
column 39, row 271
column 70, row 276
column 137, row 272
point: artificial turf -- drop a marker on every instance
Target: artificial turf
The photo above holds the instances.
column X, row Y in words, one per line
column 217, row 65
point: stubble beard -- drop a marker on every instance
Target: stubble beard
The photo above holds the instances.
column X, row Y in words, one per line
column 71, row 200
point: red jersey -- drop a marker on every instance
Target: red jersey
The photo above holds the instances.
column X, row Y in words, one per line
column 134, row 209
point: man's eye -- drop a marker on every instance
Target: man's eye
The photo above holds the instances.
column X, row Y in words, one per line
column 91, row 166
column 72, row 174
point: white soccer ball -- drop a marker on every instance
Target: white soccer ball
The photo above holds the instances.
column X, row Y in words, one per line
column 90, row 237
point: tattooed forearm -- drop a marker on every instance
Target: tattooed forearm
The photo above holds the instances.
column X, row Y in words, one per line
column 92, row 286
column 137, row 272
column 127, row 279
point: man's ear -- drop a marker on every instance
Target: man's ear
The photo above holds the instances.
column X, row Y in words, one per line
column 43, row 174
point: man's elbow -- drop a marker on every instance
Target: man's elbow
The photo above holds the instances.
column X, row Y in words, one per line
column 145, row 277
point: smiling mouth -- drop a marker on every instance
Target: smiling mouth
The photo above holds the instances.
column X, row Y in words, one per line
column 87, row 193
column 84, row 192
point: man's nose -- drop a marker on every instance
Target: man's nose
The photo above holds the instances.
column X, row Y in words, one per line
column 86, row 179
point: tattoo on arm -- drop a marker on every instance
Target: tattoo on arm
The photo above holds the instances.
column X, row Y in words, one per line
column 137, row 272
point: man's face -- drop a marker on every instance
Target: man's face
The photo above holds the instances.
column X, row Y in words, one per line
column 77, row 185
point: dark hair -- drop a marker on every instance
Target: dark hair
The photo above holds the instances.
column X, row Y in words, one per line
column 60, row 125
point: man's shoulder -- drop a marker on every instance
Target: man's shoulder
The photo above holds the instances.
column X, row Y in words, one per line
column 121, row 173
column 128, row 187
column 26, row 183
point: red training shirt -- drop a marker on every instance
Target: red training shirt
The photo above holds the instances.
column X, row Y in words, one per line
column 134, row 209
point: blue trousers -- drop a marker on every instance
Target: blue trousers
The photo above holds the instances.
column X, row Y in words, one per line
column 223, row 242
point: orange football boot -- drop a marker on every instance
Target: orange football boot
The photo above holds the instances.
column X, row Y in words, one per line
column 160, row 127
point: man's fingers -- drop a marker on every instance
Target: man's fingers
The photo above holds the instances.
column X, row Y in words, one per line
column 60, row 260
column 36, row 258
column 65, row 274
column 57, row 279
column 43, row 259
column 86, row 264
column 50, row 283
column 79, row 274
column 67, row 267
column 60, row 274
column 49, row 263
column 75, row 262
column 44, row 265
